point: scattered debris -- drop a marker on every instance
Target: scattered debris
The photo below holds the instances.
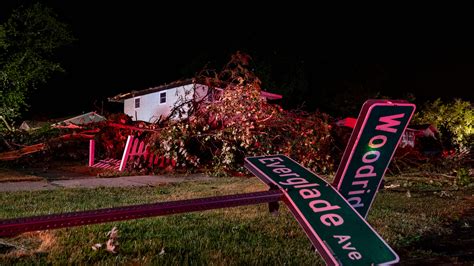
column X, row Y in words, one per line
column 96, row 247
column 443, row 194
column 111, row 244
column 392, row 186
column 113, row 234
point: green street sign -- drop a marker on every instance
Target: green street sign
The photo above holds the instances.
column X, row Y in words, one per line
column 375, row 137
column 338, row 232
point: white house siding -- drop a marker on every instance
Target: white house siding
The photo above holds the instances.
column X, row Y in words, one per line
column 128, row 107
column 200, row 92
column 150, row 108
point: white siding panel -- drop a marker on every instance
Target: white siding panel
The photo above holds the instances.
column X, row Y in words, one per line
column 200, row 92
column 150, row 107
column 129, row 107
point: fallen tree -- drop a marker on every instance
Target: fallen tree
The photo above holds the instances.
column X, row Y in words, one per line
column 16, row 154
column 218, row 133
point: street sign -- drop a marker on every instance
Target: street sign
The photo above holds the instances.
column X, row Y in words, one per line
column 371, row 146
column 338, row 232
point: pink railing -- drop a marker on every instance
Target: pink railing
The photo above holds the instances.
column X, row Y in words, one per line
column 134, row 150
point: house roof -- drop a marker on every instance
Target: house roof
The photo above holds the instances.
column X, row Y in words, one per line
column 83, row 119
column 121, row 97
column 32, row 125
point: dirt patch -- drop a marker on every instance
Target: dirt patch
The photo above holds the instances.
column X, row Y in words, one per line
column 52, row 174
column 6, row 248
column 27, row 244
column 81, row 169
column 9, row 175
column 60, row 171
column 456, row 247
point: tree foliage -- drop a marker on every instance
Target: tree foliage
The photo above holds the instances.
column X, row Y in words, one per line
column 239, row 122
column 454, row 120
column 28, row 40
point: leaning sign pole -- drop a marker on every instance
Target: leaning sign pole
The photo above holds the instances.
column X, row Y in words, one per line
column 339, row 233
column 373, row 142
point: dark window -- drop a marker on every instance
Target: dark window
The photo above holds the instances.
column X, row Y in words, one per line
column 163, row 97
column 137, row 102
column 211, row 95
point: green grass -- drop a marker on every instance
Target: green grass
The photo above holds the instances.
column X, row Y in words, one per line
column 234, row 236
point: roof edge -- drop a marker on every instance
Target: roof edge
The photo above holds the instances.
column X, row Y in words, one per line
column 122, row 96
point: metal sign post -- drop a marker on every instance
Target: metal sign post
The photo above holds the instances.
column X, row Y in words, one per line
column 15, row 226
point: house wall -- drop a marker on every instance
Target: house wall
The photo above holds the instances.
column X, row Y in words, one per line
column 150, row 108
column 200, row 92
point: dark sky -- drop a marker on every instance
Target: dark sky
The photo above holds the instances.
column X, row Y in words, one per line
column 427, row 50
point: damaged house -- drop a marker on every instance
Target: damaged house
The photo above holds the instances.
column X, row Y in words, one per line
column 152, row 104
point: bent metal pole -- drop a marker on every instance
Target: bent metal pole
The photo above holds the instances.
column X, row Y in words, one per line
column 12, row 227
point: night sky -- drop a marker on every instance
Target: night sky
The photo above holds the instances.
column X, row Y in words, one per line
column 425, row 50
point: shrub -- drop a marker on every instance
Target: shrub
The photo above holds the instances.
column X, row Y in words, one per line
column 454, row 120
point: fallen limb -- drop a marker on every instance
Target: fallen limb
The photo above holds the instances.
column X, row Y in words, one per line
column 12, row 155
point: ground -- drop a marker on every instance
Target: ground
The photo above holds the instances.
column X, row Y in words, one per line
column 9, row 175
column 426, row 221
column 47, row 172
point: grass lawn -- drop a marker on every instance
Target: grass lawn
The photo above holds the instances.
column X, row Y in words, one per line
column 234, row 236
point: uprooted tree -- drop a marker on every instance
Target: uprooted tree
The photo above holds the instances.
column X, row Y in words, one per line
column 232, row 120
